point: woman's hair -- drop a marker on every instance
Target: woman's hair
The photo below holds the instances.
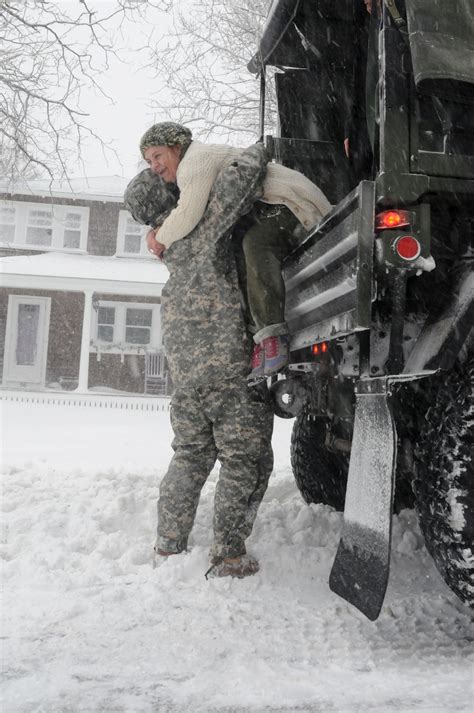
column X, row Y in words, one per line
column 167, row 133
column 149, row 199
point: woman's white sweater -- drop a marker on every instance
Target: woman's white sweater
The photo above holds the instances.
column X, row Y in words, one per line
column 197, row 172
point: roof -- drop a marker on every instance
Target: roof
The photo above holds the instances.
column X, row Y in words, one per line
column 110, row 188
column 76, row 273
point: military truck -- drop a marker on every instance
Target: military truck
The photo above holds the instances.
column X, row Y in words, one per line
column 378, row 110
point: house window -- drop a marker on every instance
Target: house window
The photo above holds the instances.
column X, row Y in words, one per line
column 138, row 326
column 131, row 236
column 39, row 228
column 43, row 226
column 105, row 324
column 132, row 241
column 7, row 222
column 72, row 230
column 124, row 327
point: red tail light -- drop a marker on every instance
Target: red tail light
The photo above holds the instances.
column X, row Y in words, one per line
column 407, row 247
column 320, row 348
column 392, row 219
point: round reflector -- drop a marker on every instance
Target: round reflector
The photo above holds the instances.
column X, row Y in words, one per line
column 407, row 247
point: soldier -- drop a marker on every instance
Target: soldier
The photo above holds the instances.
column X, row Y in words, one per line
column 213, row 412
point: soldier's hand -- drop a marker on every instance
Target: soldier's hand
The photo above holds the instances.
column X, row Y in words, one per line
column 155, row 247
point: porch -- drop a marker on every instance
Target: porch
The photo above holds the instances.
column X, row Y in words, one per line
column 73, row 323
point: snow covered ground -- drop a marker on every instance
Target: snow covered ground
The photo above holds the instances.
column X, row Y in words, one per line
column 89, row 626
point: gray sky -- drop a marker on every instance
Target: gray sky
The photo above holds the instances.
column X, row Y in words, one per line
column 122, row 119
column 131, row 86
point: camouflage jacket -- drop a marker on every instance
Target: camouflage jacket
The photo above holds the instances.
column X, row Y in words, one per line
column 204, row 331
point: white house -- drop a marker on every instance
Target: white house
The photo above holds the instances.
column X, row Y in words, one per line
column 79, row 293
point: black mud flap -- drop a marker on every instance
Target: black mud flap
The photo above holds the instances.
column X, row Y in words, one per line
column 361, row 567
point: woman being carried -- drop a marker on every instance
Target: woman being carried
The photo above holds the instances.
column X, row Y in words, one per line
column 291, row 205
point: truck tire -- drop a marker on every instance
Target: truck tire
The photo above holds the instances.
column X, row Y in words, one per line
column 320, row 475
column 444, row 484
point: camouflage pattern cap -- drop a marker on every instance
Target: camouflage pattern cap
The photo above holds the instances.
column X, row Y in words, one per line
column 167, row 133
column 149, row 199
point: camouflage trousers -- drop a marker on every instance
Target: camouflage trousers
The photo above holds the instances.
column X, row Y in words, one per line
column 230, row 422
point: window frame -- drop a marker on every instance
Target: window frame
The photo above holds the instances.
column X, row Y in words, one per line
column 58, row 226
column 119, row 345
column 124, row 217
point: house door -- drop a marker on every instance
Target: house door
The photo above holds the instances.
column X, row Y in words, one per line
column 26, row 341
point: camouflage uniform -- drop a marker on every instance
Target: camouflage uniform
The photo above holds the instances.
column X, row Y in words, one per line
column 214, row 414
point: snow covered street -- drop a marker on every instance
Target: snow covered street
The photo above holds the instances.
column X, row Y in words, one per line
column 88, row 625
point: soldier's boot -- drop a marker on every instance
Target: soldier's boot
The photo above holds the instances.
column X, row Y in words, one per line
column 277, row 353
column 160, row 557
column 257, row 364
column 240, row 567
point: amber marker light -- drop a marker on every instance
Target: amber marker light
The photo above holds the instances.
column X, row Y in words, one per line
column 392, row 219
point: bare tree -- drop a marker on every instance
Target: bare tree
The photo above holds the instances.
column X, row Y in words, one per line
column 204, row 64
column 49, row 52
